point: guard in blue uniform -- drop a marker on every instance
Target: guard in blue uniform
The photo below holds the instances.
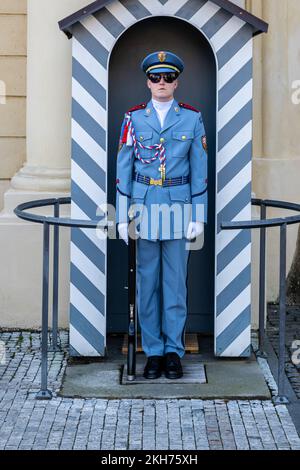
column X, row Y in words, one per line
column 162, row 183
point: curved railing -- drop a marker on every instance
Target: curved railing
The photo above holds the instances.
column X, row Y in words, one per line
column 262, row 224
column 56, row 221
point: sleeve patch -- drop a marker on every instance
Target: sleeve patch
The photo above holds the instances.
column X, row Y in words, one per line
column 204, row 142
column 125, row 134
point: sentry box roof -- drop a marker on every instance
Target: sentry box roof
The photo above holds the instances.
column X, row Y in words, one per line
column 229, row 30
column 259, row 26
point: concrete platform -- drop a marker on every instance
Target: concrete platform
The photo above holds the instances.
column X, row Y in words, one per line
column 226, row 379
column 193, row 373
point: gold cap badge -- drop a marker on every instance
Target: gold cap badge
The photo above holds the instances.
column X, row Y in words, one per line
column 161, row 56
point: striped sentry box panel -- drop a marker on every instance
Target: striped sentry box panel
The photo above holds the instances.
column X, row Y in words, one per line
column 230, row 38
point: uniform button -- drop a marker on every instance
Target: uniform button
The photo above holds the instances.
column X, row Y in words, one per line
column 184, row 137
column 162, row 140
column 141, row 137
column 130, row 212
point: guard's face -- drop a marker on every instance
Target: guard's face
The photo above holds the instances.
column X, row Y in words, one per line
column 162, row 90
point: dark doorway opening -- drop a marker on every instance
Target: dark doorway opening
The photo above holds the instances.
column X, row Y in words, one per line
column 127, row 87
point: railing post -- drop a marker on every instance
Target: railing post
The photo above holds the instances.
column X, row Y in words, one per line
column 262, row 284
column 44, row 393
column 54, row 345
column 281, row 398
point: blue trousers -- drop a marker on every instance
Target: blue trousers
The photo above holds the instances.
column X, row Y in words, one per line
column 162, row 267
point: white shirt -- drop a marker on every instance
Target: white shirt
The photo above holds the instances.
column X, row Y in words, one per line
column 162, row 109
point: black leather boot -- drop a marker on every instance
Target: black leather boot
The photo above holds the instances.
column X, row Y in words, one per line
column 154, row 367
column 173, row 367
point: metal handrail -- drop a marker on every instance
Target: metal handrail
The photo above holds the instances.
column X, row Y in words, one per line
column 56, row 221
column 263, row 224
column 66, row 222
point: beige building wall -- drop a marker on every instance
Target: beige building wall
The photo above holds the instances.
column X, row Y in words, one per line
column 44, row 170
column 276, row 150
column 13, row 41
column 40, row 166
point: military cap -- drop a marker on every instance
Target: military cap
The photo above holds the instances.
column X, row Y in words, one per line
column 162, row 61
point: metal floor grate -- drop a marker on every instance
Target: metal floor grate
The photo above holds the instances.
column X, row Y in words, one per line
column 193, row 373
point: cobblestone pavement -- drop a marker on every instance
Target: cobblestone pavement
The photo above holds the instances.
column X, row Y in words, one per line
column 64, row 423
column 292, row 369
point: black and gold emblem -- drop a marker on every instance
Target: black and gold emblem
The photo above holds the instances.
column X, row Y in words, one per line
column 204, row 142
column 161, row 56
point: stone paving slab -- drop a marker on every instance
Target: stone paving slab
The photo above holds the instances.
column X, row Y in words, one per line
column 123, row 424
column 292, row 341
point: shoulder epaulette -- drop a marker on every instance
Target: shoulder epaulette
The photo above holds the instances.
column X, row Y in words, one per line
column 124, row 130
column 137, row 107
column 188, row 106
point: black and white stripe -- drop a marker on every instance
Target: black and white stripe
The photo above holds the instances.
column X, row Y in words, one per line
column 231, row 40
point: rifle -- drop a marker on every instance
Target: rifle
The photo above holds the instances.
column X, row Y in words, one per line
column 132, row 334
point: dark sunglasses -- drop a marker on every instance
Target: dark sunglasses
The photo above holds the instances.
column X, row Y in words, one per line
column 169, row 77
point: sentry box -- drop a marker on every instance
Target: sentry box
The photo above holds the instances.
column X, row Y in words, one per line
column 215, row 40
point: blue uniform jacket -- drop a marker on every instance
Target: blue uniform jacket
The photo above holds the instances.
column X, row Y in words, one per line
column 184, row 138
